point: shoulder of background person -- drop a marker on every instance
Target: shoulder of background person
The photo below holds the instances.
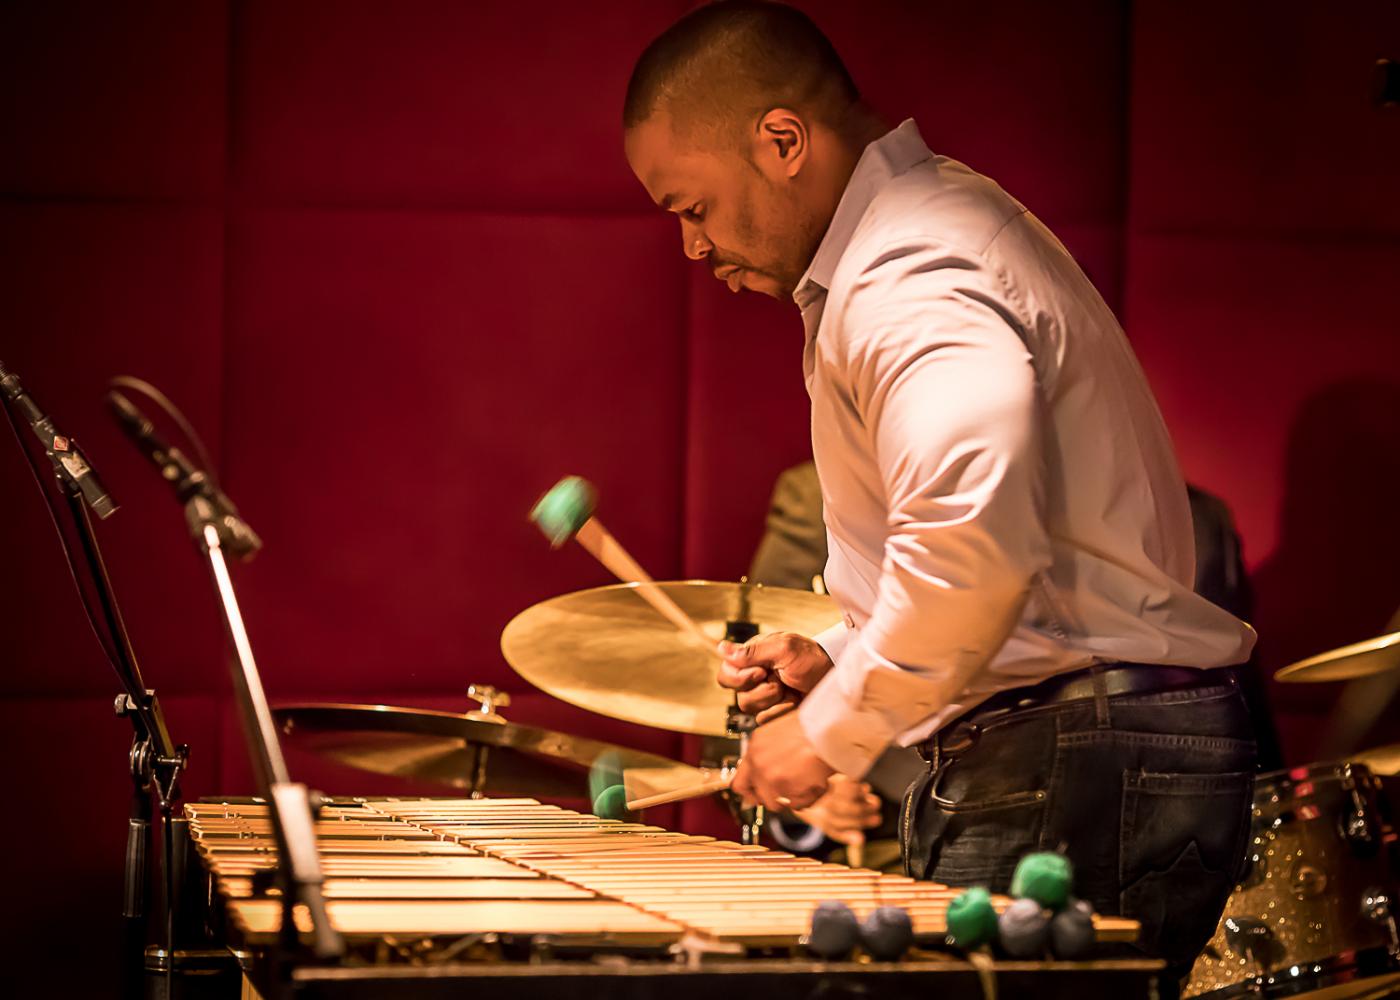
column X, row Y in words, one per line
column 798, row 489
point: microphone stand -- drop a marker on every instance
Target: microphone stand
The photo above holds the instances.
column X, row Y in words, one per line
column 214, row 525
column 156, row 764
column 155, row 761
column 289, row 804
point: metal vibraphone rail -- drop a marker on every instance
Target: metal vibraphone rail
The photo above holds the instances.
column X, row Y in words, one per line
column 751, row 979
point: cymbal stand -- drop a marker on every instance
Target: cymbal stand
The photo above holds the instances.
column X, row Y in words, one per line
column 741, row 724
column 749, row 818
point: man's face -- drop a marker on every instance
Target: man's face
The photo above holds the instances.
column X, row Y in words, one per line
column 750, row 231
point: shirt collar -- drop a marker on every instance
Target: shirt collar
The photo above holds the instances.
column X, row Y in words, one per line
column 885, row 158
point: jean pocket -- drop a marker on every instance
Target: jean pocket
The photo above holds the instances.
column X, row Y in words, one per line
column 1182, row 837
column 981, row 843
column 989, row 805
column 968, row 842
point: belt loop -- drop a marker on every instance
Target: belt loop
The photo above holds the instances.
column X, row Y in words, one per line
column 1100, row 696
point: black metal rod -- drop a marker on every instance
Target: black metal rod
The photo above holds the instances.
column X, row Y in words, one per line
column 136, row 891
column 259, row 727
column 142, row 707
column 289, row 805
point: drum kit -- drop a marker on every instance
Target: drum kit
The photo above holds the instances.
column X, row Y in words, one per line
column 1312, row 914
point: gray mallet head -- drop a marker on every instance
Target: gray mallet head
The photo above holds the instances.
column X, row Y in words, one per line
column 564, row 509
column 1024, row 929
column 835, row 930
column 1072, row 931
column 887, row 932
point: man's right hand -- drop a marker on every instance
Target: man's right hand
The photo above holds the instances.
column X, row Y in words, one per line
column 772, row 672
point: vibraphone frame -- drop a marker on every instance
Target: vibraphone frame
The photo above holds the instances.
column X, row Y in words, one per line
column 510, row 897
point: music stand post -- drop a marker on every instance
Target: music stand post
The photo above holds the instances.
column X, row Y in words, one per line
column 289, row 804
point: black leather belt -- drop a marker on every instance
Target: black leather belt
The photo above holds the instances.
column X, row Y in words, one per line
column 1110, row 679
column 1116, row 678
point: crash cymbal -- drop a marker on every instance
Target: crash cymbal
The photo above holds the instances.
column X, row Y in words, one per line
column 448, row 749
column 608, row 651
column 1360, row 659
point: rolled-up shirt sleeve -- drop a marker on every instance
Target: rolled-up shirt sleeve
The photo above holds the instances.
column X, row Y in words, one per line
column 947, row 396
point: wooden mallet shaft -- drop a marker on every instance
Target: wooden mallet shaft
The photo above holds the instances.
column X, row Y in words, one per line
column 608, row 551
column 566, row 511
column 855, row 849
column 706, row 787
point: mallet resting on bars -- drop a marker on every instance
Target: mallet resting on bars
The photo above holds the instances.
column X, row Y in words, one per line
column 566, row 511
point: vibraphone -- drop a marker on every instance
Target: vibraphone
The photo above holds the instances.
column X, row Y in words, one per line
column 431, row 892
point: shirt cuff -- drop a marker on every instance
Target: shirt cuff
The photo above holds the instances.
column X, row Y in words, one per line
column 846, row 735
column 833, row 639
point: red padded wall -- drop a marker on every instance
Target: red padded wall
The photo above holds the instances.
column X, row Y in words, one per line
column 1264, row 240
column 391, row 262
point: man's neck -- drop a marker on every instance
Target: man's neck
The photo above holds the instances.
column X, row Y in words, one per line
column 861, row 128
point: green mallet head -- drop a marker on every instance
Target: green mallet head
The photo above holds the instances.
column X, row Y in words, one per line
column 605, row 787
column 1045, row 877
column 564, row 509
column 604, row 773
column 971, row 919
column 611, row 803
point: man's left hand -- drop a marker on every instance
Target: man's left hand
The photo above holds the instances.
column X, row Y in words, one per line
column 781, row 769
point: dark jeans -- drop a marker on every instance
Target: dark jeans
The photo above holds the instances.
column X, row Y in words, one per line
column 1148, row 794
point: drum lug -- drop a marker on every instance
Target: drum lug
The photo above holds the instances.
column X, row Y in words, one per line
column 1375, row 906
column 1253, row 939
column 1357, row 826
column 1308, row 881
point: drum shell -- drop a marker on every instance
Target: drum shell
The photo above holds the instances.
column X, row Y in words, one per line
column 1303, row 889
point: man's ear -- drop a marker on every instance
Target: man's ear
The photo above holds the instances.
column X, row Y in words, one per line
column 781, row 144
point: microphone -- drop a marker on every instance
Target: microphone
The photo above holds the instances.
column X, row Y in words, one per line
column 189, row 482
column 68, row 459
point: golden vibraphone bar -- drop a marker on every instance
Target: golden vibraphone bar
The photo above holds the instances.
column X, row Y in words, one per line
column 429, row 892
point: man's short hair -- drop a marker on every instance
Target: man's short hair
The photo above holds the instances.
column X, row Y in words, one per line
column 733, row 60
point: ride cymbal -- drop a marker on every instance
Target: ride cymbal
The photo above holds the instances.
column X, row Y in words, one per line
column 608, row 651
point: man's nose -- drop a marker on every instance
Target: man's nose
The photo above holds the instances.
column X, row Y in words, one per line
column 693, row 241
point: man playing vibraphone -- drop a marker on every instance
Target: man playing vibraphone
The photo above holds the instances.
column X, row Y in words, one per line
column 1009, row 533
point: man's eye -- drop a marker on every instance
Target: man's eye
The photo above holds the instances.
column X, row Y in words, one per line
column 694, row 212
